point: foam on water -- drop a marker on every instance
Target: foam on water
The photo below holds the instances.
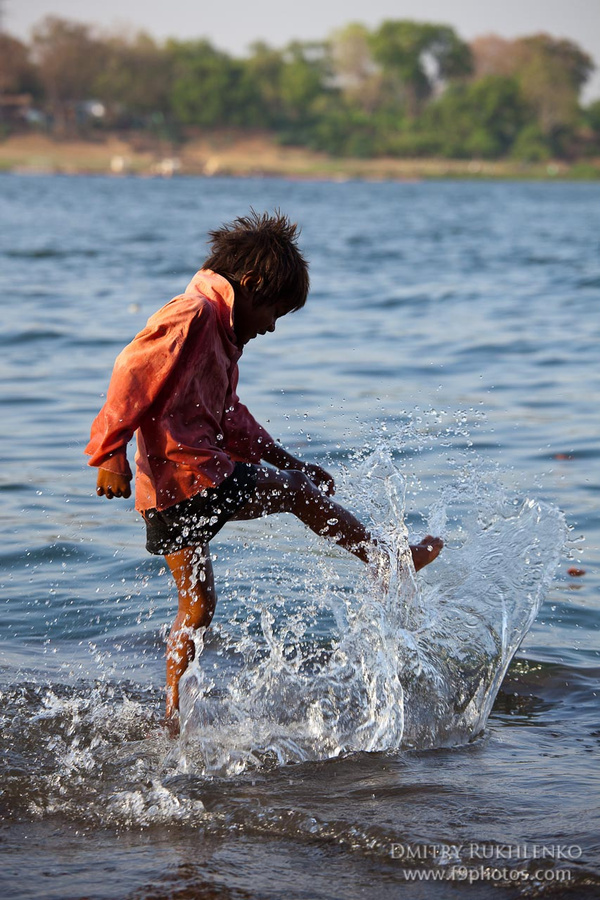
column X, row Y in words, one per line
column 412, row 663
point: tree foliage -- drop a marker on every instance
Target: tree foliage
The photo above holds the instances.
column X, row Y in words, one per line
column 209, row 89
column 551, row 74
column 135, row 78
column 404, row 88
column 69, row 58
column 354, row 70
column 480, row 119
column 18, row 74
column 265, row 68
column 418, row 57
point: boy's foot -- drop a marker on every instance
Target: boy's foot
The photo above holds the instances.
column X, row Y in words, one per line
column 171, row 724
column 422, row 553
column 425, row 551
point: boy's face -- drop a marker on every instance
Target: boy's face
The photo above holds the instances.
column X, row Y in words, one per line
column 251, row 318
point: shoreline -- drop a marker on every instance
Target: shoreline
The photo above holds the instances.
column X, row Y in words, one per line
column 232, row 154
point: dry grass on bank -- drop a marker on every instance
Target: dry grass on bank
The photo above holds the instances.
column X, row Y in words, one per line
column 235, row 154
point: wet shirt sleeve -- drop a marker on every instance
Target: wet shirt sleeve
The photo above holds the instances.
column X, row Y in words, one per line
column 141, row 372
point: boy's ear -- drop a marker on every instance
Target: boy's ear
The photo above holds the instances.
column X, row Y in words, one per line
column 252, row 281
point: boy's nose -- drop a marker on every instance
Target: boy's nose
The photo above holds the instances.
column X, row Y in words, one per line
column 271, row 327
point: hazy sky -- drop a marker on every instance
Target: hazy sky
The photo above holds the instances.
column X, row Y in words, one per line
column 235, row 24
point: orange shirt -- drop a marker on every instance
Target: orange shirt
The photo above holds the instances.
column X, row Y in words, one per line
column 175, row 386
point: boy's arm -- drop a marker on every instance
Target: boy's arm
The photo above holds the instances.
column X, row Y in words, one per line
column 111, row 484
column 248, row 440
column 275, row 455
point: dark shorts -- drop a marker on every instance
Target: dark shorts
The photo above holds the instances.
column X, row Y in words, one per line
column 196, row 521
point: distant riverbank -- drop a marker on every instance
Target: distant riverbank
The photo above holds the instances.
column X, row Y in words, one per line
column 235, row 154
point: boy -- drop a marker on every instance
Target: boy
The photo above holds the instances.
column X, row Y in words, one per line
column 199, row 450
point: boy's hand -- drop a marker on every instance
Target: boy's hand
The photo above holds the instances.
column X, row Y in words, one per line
column 320, row 477
column 110, row 485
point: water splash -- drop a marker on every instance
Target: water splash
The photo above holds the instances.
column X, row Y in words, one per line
column 414, row 663
column 315, row 662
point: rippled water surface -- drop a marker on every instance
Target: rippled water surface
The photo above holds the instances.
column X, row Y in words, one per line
column 339, row 740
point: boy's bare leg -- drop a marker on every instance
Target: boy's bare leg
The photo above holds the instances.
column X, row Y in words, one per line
column 292, row 491
column 192, row 570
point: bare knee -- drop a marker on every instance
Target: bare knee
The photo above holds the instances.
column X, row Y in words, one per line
column 281, row 491
column 298, row 482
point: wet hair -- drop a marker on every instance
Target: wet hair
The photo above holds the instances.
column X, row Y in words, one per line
column 266, row 246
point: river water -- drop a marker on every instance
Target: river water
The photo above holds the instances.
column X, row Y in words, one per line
column 340, row 740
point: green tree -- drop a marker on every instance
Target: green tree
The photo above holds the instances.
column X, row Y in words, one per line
column 551, row 73
column 303, row 78
column 592, row 116
column 264, row 69
column 481, row 119
column 210, row 88
column 591, row 128
column 418, row 57
column 532, row 145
